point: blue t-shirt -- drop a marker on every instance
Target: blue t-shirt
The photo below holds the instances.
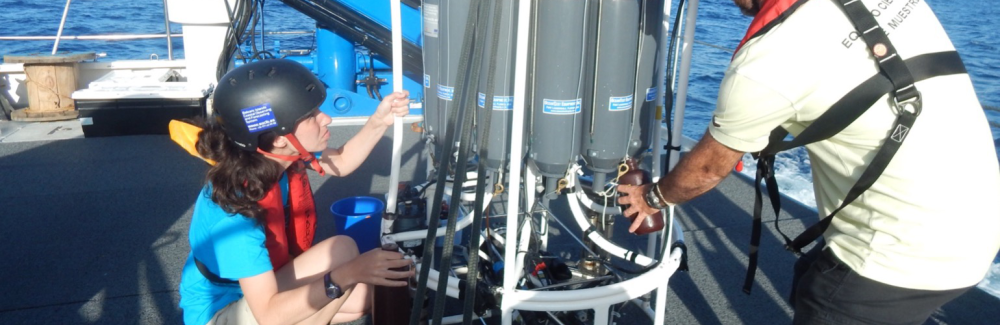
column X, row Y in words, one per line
column 231, row 246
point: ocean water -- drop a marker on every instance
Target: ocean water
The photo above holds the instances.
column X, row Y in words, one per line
column 971, row 24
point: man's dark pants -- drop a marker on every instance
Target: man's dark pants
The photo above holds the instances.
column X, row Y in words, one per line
column 826, row 291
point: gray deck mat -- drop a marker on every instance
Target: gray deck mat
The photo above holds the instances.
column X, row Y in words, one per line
column 94, row 232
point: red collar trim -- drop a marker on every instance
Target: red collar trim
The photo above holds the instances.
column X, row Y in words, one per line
column 770, row 11
column 304, row 155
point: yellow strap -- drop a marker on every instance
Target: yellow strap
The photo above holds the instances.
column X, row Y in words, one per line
column 186, row 136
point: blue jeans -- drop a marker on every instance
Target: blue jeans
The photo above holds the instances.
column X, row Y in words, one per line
column 826, row 291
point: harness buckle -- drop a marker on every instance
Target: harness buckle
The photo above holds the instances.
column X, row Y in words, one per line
column 788, row 247
column 915, row 103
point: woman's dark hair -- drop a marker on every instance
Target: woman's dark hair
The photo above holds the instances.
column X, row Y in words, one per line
column 239, row 177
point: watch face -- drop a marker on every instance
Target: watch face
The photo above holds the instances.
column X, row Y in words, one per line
column 653, row 199
column 333, row 291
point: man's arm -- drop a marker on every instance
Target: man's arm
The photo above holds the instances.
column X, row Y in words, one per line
column 697, row 172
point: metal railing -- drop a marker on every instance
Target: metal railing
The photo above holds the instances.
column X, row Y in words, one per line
column 170, row 40
column 62, row 23
column 166, row 21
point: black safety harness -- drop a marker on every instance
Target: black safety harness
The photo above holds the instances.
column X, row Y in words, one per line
column 212, row 277
column 896, row 77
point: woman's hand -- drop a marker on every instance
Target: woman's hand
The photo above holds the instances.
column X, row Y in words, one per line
column 393, row 105
column 375, row 267
column 635, row 198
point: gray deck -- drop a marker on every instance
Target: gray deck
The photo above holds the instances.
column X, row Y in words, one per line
column 95, row 232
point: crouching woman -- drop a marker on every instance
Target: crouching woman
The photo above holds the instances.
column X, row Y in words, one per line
column 252, row 257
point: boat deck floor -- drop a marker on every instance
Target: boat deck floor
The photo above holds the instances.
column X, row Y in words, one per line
column 95, row 232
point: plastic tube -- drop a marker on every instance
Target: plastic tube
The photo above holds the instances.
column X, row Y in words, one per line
column 516, row 152
column 591, row 297
column 432, row 281
column 420, row 234
column 594, row 206
column 604, row 244
column 397, row 124
column 522, row 248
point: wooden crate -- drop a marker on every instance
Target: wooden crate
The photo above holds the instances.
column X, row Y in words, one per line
column 50, row 80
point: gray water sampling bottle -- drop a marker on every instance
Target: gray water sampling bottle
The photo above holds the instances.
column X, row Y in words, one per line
column 637, row 176
column 391, row 305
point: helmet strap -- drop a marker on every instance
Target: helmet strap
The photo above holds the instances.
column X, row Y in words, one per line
column 303, row 155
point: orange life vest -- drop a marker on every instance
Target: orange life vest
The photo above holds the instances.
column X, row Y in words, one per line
column 285, row 241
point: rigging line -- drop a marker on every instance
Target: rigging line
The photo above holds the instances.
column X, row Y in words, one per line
column 714, row 46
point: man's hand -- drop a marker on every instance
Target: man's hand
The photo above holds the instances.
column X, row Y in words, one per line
column 635, row 198
column 697, row 172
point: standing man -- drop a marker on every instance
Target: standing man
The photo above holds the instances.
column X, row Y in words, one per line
column 920, row 236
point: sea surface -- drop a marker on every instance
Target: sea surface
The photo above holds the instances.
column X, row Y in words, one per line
column 973, row 25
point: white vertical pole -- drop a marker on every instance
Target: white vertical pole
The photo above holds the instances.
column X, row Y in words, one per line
column 62, row 23
column 516, row 140
column 397, row 124
column 660, row 310
column 602, row 315
column 683, row 75
column 661, row 84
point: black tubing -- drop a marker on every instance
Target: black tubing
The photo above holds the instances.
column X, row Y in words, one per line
column 468, row 81
column 360, row 29
column 457, row 120
column 484, row 134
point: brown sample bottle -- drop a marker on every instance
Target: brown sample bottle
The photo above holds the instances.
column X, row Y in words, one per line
column 636, row 176
column 391, row 305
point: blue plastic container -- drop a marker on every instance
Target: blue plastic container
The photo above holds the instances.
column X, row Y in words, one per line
column 360, row 218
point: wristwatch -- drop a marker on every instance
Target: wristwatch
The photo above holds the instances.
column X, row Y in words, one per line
column 332, row 289
column 654, row 199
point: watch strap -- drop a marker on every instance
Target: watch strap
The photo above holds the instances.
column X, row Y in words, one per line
column 654, row 199
column 333, row 291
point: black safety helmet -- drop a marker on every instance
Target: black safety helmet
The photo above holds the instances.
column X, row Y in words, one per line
column 268, row 95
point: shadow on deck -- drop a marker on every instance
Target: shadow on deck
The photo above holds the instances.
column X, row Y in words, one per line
column 95, row 232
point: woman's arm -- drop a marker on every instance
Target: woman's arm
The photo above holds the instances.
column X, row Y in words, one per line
column 346, row 159
column 271, row 306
